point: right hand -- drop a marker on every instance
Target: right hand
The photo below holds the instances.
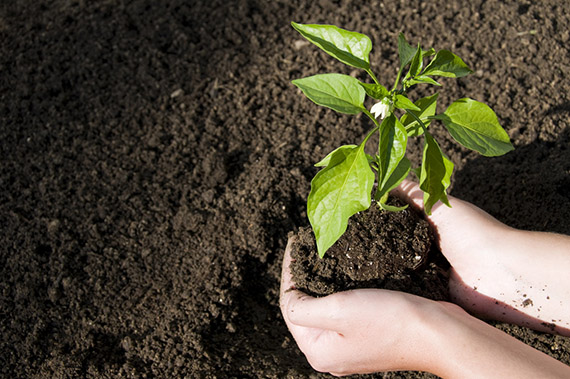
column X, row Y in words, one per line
column 499, row 272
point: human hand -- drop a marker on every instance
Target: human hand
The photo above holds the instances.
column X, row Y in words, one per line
column 372, row 330
column 499, row 272
column 358, row 331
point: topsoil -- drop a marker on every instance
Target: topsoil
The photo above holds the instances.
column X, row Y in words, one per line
column 380, row 249
column 154, row 157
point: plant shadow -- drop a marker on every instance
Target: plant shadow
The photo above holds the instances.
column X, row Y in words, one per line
column 528, row 188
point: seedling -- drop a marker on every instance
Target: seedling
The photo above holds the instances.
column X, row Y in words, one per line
column 344, row 186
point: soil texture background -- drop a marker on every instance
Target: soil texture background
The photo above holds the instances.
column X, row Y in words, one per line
column 154, row 157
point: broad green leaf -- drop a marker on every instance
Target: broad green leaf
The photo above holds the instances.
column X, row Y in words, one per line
column 375, row 91
column 402, row 102
column 475, row 126
column 427, row 107
column 391, row 148
column 340, row 92
column 445, row 63
column 405, row 51
column 337, row 192
column 344, row 150
column 348, row 47
column 399, row 174
column 435, row 174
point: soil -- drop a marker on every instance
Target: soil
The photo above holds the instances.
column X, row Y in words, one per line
column 154, row 157
column 379, row 249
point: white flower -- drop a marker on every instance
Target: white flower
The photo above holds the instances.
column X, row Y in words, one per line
column 381, row 108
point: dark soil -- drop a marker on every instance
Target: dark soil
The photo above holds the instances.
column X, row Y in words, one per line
column 154, row 157
column 379, row 249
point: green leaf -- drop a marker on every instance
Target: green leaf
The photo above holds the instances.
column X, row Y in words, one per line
column 475, row 126
column 392, row 208
column 399, row 174
column 344, row 150
column 348, row 47
column 435, row 174
column 375, row 91
column 422, row 79
column 427, row 107
column 337, row 192
column 405, row 51
column 416, row 63
column 417, row 171
column 391, row 150
column 445, row 63
column 428, row 53
column 340, row 92
column 402, row 102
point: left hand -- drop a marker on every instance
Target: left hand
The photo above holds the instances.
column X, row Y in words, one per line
column 358, row 331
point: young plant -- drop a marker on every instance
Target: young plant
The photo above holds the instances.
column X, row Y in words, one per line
column 344, row 186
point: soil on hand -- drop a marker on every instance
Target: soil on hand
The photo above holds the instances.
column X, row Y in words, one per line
column 380, row 249
column 154, row 156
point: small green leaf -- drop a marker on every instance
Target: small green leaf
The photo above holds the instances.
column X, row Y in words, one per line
column 428, row 53
column 427, row 107
column 337, row 192
column 422, row 79
column 435, row 174
column 340, row 92
column 375, row 91
column 392, row 208
column 416, row 63
column 344, row 150
column 475, row 126
column 399, row 174
column 445, row 63
column 417, row 171
column 402, row 102
column 348, row 47
column 391, row 150
column 405, row 51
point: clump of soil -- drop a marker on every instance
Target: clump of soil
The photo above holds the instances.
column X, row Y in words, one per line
column 380, row 249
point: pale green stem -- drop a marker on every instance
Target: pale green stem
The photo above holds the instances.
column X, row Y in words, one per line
column 424, row 127
column 397, row 79
column 369, row 71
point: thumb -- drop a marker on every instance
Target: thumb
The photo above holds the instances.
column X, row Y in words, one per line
column 410, row 192
column 327, row 312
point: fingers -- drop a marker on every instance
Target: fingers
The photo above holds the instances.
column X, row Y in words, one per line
column 410, row 192
column 286, row 280
column 301, row 309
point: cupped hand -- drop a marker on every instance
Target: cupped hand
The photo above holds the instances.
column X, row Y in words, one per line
column 358, row 331
column 499, row 272
column 472, row 241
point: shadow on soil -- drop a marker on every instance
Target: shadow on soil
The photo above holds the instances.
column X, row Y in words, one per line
column 536, row 177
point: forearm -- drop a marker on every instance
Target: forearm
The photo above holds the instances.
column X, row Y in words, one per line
column 465, row 347
column 523, row 281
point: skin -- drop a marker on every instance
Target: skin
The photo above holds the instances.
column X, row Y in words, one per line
column 493, row 268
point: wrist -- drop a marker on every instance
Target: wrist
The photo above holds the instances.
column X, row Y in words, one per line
column 428, row 335
column 463, row 346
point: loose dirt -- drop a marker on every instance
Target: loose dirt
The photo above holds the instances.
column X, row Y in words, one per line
column 154, row 157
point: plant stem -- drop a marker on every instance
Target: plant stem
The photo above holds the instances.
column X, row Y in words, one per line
column 371, row 116
column 369, row 71
column 424, row 127
column 377, row 127
column 397, row 79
